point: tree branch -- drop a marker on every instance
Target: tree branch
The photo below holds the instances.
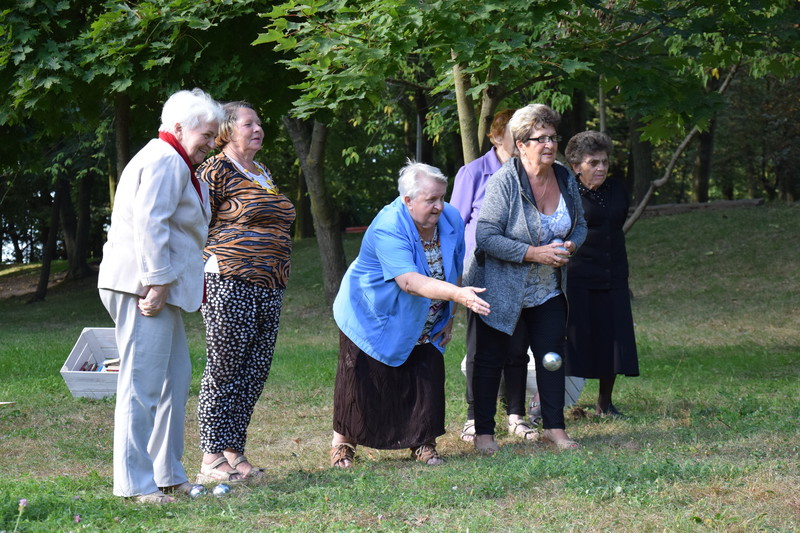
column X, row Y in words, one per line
column 655, row 184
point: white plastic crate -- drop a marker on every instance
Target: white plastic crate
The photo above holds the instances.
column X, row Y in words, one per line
column 94, row 345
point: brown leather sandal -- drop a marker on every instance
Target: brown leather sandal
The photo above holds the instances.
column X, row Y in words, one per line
column 342, row 454
column 427, row 454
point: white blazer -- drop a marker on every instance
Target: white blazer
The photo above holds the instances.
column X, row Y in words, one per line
column 158, row 229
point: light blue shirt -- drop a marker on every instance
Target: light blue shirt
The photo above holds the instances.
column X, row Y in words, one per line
column 370, row 308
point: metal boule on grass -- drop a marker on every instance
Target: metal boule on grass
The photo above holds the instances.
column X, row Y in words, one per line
column 551, row 361
column 221, row 490
column 197, row 490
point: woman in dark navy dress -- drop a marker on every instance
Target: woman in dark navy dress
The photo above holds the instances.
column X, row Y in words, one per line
column 600, row 338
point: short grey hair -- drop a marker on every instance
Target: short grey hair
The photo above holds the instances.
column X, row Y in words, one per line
column 412, row 173
column 189, row 109
column 530, row 117
column 587, row 142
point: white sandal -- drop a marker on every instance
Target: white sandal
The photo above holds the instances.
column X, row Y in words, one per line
column 253, row 474
column 522, row 429
column 209, row 473
column 468, row 433
column 535, row 412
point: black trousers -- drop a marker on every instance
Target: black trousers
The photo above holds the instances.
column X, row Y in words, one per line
column 516, row 365
column 545, row 326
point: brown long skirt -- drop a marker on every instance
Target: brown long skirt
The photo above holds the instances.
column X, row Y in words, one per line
column 387, row 407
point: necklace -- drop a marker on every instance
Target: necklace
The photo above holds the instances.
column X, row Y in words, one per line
column 260, row 177
column 544, row 192
column 429, row 242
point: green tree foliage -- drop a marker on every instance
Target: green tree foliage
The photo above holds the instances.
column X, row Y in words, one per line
column 73, row 68
column 767, row 140
column 652, row 56
column 83, row 78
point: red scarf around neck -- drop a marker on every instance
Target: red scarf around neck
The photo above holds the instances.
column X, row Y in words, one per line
column 171, row 140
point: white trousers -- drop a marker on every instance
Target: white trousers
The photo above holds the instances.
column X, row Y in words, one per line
column 152, row 389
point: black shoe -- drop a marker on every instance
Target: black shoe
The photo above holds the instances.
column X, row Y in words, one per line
column 611, row 412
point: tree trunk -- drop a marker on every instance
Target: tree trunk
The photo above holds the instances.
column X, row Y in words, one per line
column 122, row 121
column 79, row 266
column 601, row 107
column 66, row 212
column 19, row 257
column 573, row 120
column 49, row 251
column 308, row 139
column 489, row 100
column 75, row 226
column 702, row 165
column 303, row 223
column 425, row 152
column 466, row 116
column 642, row 159
column 656, row 184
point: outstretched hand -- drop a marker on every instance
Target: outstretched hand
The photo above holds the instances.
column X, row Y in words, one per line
column 468, row 297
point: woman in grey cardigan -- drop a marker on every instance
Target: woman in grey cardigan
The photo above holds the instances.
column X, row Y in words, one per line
column 529, row 202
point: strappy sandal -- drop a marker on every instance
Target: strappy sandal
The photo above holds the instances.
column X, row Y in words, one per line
column 209, row 473
column 427, row 454
column 253, row 474
column 342, row 454
column 522, row 429
column 468, row 433
column 535, row 412
column 154, row 498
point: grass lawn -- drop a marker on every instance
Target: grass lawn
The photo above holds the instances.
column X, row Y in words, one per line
column 711, row 443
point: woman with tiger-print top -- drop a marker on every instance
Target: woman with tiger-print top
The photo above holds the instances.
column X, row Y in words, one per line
column 247, row 260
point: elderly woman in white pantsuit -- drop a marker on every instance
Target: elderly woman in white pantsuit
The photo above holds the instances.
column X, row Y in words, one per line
column 152, row 269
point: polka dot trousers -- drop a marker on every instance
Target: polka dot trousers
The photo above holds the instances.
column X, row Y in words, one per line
column 241, row 322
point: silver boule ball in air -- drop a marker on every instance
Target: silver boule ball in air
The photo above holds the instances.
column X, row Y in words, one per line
column 221, row 490
column 551, row 361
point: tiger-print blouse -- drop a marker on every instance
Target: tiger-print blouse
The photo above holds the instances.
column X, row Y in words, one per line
column 250, row 227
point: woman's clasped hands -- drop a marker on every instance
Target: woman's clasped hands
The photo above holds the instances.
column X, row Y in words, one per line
column 554, row 254
column 154, row 302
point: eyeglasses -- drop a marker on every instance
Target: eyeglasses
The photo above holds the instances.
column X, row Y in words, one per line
column 544, row 139
column 594, row 163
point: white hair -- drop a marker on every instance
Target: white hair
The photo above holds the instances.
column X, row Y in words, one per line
column 189, row 109
column 412, row 172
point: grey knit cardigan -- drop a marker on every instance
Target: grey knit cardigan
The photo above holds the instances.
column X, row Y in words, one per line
column 507, row 224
